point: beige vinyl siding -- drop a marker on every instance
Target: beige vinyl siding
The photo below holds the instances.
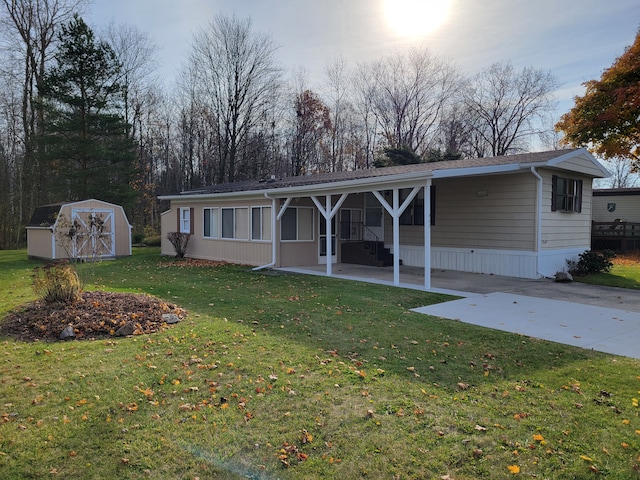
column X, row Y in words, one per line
column 565, row 230
column 294, row 254
column 504, row 218
column 578, row 165
column 39, row 241
column 627, row 208
column 240, row 250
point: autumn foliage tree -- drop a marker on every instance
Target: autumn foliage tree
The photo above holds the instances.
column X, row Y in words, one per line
column 312, row 124
column 606, row 117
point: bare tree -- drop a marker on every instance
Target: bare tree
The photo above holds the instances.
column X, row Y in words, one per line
column 28, row 30
column 622, row 172
column 136, row 54
column 335, row 93
column 410, row 94
column 509, row 106
column 364, row 130
column 237, row 75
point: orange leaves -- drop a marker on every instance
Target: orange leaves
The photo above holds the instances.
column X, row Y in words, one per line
column 129, row 407
column 290, row 454
column 306, row 437
column 514, row 469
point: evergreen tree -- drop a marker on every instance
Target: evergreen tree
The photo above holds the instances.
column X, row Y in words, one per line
column 86, row 145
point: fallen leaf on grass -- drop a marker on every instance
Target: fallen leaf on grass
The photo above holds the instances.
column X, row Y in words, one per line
column 514, row 469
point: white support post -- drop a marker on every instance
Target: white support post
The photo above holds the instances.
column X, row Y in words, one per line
column 396, row 236
column 328, row 213
column 274, row 233
column 427, row 235
column 327, row 220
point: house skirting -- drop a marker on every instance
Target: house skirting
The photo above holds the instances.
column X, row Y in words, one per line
column 509, row 263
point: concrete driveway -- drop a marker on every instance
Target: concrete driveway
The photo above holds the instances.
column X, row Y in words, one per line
column 605, row 319
column 600, row 318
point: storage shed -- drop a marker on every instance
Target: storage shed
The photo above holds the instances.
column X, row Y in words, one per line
column 88, row 229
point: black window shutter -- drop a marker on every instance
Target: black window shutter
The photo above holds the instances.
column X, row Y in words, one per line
column 432, row 204
column 554, row 193
column 191, row 221
column 178, row 216
column 579, row 196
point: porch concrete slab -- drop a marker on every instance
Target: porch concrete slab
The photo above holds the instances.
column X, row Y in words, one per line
column 603, row 329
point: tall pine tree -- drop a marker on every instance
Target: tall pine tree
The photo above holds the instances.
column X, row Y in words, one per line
column 86, row 145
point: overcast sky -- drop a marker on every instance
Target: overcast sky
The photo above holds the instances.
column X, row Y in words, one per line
column 574, row 39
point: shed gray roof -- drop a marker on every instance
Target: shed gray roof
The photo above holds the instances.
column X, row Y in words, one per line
column 421, row 169
column 45, row 215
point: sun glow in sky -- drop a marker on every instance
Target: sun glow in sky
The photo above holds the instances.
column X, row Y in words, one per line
column 416, row 18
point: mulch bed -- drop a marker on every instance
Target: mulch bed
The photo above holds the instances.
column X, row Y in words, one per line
column 630, row 258
column 96, row 315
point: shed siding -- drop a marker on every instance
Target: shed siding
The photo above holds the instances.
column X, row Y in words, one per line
column 562, row 230
column 39, row 242
column 627, row 208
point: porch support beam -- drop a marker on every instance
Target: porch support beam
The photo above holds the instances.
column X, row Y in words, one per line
column 395, row 213
column 328, row 212
column 427, row 235
column 284, row 207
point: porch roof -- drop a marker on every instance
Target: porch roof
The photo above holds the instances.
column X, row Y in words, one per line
column 383, row 178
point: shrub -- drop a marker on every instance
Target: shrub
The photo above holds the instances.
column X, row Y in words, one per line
column 137, row 238
column 591, row 262
column 57, row 283
column 180, row 242
column 152, row 241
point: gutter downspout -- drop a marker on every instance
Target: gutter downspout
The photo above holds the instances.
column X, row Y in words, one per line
column 538, row 220
column 273, row 236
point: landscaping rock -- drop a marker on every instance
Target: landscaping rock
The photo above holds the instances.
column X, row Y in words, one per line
column 170, row 318
column 126, row 330
column 67, row 333
column 564, row 277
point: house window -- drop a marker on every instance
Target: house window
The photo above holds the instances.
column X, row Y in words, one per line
column 210, row 223
column 414, row 213
column 184, row 220
column 322, row 238
column 235, row 223
column 261, row 223
column 297, row 224
column 566, row 194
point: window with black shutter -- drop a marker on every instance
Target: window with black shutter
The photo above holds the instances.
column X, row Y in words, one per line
column 566, row 194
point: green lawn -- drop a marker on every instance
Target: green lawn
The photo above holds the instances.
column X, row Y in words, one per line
column 625, row 275
column 290, row 376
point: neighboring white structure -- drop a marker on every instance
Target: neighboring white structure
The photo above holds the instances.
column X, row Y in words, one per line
column 616, row 219
column 622, row 204
column 519, row 215
column 83, row 229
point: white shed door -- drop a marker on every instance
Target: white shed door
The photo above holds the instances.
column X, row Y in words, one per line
column 94, row 233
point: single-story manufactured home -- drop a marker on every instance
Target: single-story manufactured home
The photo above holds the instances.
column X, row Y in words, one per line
column 519, row 215
column 81, row 230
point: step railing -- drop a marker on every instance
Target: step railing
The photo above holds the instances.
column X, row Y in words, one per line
column 359, row 232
